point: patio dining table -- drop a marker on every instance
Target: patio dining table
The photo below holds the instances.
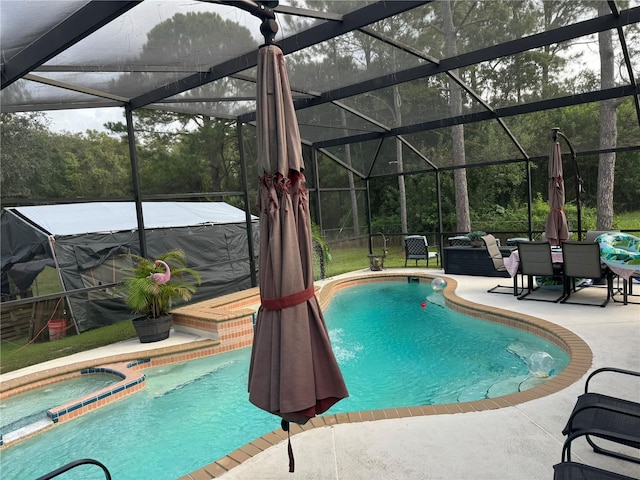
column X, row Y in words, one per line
column 626, row 274
column 512, row 262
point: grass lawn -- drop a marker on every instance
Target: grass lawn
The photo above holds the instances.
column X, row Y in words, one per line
column 349, row 260
column 16, row 354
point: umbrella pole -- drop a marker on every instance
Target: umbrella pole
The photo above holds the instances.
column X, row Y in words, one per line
column 556, row 131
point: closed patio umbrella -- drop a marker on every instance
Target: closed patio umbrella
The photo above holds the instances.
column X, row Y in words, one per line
column 556, row 229
column 293, row 372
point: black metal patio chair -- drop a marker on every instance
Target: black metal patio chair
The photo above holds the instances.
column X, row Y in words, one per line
column 535, row 260
column 416, row 247
column 570, row 470
column 607, row 417
column 581, row 260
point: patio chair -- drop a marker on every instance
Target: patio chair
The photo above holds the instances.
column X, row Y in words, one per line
column 535, row 260
column 570, row 470
column 416, row 248
column 606, row 417
column 582, row 260
column 498, row 263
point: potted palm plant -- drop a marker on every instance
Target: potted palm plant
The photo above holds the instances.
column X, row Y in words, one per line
column 475, row 238
column 152, row 288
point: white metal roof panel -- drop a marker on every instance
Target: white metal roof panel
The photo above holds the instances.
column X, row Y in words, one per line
column 95, row 217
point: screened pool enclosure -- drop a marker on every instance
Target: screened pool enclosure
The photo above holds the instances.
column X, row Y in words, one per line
column 414, row 115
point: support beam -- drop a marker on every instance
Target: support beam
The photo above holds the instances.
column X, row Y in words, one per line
column 81, row 24
column 352, row 21
column 511, row 111
column 137, row 198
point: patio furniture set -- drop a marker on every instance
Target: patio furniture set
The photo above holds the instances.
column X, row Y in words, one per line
column 568, row 269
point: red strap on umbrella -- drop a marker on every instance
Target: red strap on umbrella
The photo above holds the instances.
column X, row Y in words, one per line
column 288, row 300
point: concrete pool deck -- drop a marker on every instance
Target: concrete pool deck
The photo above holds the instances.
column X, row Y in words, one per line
column 521, row 441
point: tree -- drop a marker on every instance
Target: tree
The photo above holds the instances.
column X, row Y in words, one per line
column 463, row 219
column 179, row 153
column 26, row 149
column 608, row 129
column 89, row 165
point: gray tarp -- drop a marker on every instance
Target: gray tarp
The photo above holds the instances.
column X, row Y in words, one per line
column 213, row 236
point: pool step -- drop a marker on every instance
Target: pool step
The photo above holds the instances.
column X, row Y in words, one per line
column 25, row 432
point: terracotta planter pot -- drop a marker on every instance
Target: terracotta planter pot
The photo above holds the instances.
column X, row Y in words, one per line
column 152, row 329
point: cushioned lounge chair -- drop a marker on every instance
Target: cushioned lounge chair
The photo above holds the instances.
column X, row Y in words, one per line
column 535, row 260
column 416, row 248
column 498, row 263
column 570, row 470
column 582, row 260
column 606, row 417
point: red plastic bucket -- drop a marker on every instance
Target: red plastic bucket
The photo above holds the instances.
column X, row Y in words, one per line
column 57, row 328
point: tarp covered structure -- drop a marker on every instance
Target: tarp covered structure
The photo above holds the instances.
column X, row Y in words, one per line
column 87, row 243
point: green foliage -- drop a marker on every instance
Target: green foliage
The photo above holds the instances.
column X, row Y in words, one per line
column 476, row 235
column 91, row 165
column 144, row 295
column 26, row 149
column 317, row 236
column 37, row 163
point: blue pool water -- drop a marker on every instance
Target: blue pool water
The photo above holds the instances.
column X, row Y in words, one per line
column 392, row 353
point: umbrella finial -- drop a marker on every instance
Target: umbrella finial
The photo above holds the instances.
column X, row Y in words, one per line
column 554, row 133
column 269, row 28
column 264, row 11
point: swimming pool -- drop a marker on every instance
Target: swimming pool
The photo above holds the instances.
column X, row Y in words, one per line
column 198, row 411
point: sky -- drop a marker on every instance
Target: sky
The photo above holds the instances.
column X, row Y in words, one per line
column 81, row 120
column 124, row 37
